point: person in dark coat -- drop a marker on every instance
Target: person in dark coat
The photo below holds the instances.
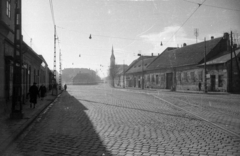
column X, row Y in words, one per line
column 200, row 85
column 42, row 91
column 65, row 87
column 33, row 91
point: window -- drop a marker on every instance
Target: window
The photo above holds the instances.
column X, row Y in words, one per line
column 8, row 8
column 157, row 79
column 153, row 78
column 148, row 78
column 192, row 76
column 185, row 76
column 220, row 80
column 179, row 76
column 200, row 73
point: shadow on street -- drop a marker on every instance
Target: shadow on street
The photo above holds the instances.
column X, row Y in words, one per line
column 65, row 129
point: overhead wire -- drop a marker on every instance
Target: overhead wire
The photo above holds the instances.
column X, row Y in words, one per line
column 213, row 6
column 199, row 5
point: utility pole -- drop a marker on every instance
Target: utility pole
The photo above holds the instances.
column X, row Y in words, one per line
column 17, row 64
column 142, row 71
column 142, row 74
column 205, row 70
column 60, row 70
column 231, row 64
column 236, row 59
column 123, row 74
column 54, row 64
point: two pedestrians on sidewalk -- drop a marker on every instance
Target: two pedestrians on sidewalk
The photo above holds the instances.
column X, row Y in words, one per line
column 34, row 92
column 42, row 91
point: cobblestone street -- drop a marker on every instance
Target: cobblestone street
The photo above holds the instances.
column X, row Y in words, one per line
column 98, row 120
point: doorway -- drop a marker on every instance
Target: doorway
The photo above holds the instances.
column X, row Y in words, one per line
column 169, row 80
column 213, row 80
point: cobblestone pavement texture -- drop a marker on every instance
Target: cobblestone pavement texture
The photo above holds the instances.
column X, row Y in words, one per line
column 222, row 110
column 96, row 120
column 9, row 129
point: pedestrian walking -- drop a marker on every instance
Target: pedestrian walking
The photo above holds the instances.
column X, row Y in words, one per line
column 33, row 91
column 200, row 85
column 65, row 87
column 42, row 91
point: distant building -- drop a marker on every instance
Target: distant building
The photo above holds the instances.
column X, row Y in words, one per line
column 137, row 71
column 120, row 79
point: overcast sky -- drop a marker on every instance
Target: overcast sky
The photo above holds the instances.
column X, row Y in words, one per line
column 129, row 26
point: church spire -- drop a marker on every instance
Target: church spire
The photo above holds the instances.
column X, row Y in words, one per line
column 112, row 59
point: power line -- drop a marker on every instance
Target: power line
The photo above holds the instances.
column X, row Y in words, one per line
column 212, row 6
column 199, row 5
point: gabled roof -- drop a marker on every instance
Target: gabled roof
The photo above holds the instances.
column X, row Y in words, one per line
column 188, row 55
column 121, row 69
column 221, row 59
column 137, row 66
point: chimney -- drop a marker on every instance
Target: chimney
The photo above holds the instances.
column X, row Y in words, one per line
column 212, row 37
column 184, row 44
column 227, row 40
column 226, row 36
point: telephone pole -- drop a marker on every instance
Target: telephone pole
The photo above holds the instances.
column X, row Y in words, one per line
column 205, row 70
column 17, row 64
column 60, row 70
column 231, row 64
column 54, row 63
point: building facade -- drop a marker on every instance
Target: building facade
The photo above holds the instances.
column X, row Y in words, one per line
column 183, row 68
column 136, row 73
column 7, row 27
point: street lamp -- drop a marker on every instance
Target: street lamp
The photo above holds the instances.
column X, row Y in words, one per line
column 142, row 71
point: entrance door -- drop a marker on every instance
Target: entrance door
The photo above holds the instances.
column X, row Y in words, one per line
column 213, row 77
column 169, row 80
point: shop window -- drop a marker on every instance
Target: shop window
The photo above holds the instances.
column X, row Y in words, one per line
column 220, row 80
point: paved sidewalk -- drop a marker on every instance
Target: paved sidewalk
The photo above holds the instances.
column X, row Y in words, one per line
column 10, row 129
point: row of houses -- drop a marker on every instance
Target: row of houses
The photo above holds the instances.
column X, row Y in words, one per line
column 34, row 67
column 184, row 68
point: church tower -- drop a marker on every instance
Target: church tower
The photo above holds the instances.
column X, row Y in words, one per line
column 112, row 59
